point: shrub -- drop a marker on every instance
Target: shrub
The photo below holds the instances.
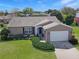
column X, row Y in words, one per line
column 42, row 45
column 73, row 41
column 4, row 34
column 3, row 37
column 1, row 25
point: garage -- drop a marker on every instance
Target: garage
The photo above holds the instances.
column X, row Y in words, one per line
column 57, row 32
column 59, row 35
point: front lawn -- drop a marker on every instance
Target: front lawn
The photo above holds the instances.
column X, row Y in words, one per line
column 22, row 49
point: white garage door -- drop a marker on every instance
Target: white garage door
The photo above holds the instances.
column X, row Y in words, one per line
column 58, row 35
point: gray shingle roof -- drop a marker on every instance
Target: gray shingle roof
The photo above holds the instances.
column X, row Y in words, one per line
column 53, row 25
column 29, row 21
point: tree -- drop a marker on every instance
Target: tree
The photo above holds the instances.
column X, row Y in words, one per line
column 1, row 13
column 4, row 34
column 69, row 20
column 6, row 12
column 28, row 11
column 19, row 13
column 57, row 14
column 68, row 11
column 15, row 11
column 49, row 11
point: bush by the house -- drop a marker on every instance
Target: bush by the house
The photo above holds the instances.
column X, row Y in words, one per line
column 42, row 45
column 4, row 34
column 73, row 41
column 1, row 25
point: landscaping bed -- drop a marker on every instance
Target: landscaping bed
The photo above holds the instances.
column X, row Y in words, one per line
column 42, row 45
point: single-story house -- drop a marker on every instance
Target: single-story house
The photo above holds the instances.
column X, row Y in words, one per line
column 47, row 27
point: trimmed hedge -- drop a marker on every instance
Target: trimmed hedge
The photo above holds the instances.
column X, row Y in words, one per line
column 41, row 45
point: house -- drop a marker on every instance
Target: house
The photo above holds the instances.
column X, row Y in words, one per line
column 46, row 27
column 39, row 14
column 77, row 18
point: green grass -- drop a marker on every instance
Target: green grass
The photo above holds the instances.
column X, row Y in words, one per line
column 22, row 49
column 76, row 33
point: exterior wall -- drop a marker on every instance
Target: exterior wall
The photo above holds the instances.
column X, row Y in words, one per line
column 16, row 30
column 36, row 29
column 21, row 30
column 57, row 28
column 45, row 35
column 77, row 14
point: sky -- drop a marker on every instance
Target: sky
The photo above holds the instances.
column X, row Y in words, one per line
column 38, row 5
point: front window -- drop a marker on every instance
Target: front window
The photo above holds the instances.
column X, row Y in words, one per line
column 28, row 30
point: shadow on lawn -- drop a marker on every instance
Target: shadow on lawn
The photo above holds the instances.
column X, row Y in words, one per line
column 44, row 50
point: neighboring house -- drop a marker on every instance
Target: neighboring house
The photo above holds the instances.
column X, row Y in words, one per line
column 5, row 19
column 77, row 18
column 39, row 14
column 48, row 28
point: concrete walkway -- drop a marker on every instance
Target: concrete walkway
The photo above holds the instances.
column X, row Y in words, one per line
column 64, row 50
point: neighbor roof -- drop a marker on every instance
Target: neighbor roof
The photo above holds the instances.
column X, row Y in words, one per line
column 29, row 21
column 5, row 17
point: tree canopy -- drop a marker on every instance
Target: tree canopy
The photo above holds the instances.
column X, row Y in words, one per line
column 69, row 19
column 27, row 11
column 57, row 14
column 6, row 12
column 68, row 11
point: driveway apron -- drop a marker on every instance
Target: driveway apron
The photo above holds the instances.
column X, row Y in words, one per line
column 64, row 50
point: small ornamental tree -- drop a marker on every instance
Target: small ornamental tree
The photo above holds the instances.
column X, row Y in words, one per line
column 4, row 34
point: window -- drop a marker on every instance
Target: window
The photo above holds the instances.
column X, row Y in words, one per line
column 28, row 30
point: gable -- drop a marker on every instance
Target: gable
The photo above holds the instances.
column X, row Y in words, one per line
column 57, row 27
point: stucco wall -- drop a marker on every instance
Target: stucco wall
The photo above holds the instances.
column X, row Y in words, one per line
column 58, row 28
column 16, row 30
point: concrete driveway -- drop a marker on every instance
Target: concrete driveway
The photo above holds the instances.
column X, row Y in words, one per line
column 64, row 50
